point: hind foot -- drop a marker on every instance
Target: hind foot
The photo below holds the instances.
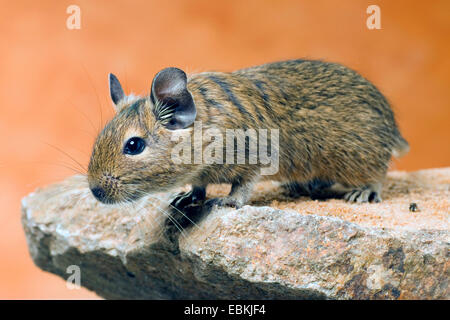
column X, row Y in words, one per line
column 295, row 189
column 370, row 193
column 316, row 188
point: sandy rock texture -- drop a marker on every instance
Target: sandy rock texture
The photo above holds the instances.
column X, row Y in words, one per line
column 274, row 248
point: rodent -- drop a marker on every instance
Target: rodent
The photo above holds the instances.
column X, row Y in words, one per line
column 337, row 133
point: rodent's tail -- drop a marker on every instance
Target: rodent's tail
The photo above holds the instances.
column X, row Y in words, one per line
column 401, row 148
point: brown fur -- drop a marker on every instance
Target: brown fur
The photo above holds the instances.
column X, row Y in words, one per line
column 334, row 126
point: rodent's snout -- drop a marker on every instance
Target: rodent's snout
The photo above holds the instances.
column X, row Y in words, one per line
column 105, row 189
column 99, row 193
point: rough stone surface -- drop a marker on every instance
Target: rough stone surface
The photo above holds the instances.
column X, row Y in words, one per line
column 274, row 248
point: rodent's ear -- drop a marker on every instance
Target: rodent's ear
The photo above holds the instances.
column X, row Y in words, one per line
column 115, row 89
column 174, row 105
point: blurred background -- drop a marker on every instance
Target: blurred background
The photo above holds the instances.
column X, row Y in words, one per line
column 54, row 92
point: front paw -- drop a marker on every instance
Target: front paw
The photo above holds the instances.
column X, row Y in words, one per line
column 184, row 199
column 223, row 202
column 181, row 200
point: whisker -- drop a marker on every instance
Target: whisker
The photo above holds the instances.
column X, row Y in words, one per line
column 95, row 92
column 169, row 216
column 96, row 131
column 67, row 155
column 62, row 164
column 179, row 211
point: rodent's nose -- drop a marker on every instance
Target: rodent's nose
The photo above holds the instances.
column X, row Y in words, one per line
column 99, row 193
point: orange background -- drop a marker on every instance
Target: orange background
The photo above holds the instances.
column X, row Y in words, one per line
column 53, row 81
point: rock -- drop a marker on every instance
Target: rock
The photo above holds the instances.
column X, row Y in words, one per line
column 275, row 248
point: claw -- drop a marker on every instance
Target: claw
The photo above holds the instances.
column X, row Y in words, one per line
column 369, row 193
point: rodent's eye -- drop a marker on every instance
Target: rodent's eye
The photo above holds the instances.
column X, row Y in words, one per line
column 134, row 146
